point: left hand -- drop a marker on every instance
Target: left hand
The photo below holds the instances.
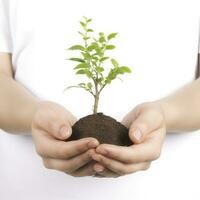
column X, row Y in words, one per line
column 146, row 130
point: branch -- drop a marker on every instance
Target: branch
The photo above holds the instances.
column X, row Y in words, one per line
column 102, row 87
column 76, row 86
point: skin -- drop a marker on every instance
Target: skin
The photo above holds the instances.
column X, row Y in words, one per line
column 148, row 123
column 147, row 130
column 17, row 105
column 21, row 112
column 48, row 122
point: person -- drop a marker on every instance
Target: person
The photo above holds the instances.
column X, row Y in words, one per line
column 25, row 111
column 147, row 123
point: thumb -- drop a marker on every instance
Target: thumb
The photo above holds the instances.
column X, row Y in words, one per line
column 60, row 122
column 59, row 129
column 146, row 122
column 64, row 132
column 57, row 123
column 54, row 119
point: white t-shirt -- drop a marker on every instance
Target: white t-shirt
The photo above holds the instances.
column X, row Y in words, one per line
column 157, row 39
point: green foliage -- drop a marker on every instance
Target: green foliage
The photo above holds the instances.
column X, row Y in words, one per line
column 111, row 36
column 92, row 60
column 77, row 47
column 77, row 59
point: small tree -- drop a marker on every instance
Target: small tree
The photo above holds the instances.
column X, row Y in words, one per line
column 92, row 61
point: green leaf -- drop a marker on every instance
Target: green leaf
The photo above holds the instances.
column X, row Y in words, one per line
column 101, row 34
column 77, row 59
column 86, row 55
column 81, row 66
column 103, row 59
column 81, row 71
column 85, row 71
column 112, row 35
column 83, row 24
column 77, row 47
column 89, row 20
column 88, row 73
column 99, row 69
column 99, row 80
column 110, row 78
column 82, row 84
column 111, row 75
column 86, row 38
column 94, row 63
column 95, row 59
column 110, row 47
column 102, row 39
column 90, row 30
column 115, row 63
column 108, row 81
column 89, row 85
column 98, row 51
column 125, row 69
column 91, row 47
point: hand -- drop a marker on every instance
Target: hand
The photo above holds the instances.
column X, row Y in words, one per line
column 51, row 125
column 147, row 131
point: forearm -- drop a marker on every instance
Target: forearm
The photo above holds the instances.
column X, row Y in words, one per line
column 182, row 109
column 17, row 106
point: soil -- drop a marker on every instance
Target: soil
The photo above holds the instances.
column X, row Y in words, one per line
column 104, row 128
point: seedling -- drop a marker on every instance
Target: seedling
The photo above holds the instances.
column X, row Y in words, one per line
column 93, row 61
column 93, row 64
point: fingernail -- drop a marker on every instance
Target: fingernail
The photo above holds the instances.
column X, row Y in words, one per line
column 92, row 144
column 91, row 153
column 64, row 131
column 98, row 168
column 96, row 157
column 102, row 151
column 137, row 134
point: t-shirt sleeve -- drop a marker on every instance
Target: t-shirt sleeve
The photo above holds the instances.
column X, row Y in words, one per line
column 5, row 35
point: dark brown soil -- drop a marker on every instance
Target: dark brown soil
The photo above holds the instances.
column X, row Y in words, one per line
column 104, row 128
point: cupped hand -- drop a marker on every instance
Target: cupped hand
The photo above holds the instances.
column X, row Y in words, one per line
column 147, row 130
column 51, row 126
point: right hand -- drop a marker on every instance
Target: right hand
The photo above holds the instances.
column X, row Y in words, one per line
column 51, row 125
column 147, row 130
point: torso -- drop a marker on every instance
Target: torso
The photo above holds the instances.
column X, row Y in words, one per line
column 155, row 44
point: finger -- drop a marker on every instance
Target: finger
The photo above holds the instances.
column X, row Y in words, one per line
column 58, row 125
column 146, row 122
column 59, row 129
column 148, row 150
column 46, row 146
column 101, row 171
column 86, row 170
column 71, row 165
column 118, row 167
column 129, row 118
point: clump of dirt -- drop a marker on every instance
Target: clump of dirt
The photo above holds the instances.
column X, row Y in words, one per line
column 104, row 128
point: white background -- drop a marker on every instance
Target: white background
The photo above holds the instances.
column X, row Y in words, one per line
column 158, row 39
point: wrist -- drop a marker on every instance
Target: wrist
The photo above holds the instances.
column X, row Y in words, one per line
column 170, row 113
column 30, row 113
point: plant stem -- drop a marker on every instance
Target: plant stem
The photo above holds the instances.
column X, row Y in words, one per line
column 96, row 98
column 96, row 103
column 97, row 91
